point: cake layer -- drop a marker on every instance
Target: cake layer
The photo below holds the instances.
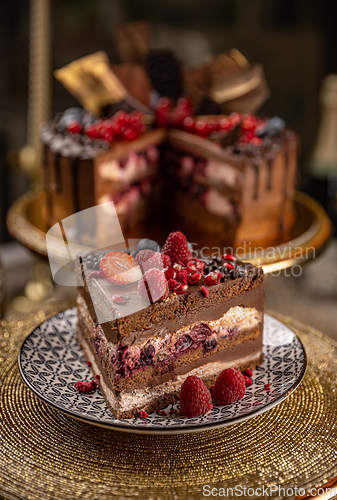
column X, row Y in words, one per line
column 128, row 403
column 135, row 322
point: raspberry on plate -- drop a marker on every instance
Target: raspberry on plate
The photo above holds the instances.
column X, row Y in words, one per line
column 229, row 387
column 176, row 247
column 119, row 268
column 152, row 286
column 195, row 399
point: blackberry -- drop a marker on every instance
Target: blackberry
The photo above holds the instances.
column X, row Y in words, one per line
column 206, row 106
column 92, row 261
column 165, row 72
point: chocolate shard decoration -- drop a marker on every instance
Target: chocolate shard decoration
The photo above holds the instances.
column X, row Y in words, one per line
column 92, row 81
column 230, row 81
column 134, row 40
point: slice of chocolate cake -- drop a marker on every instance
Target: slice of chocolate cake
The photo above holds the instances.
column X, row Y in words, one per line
column 153, row 339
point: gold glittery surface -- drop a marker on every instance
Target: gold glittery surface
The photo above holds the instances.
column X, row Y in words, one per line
column 47, row 455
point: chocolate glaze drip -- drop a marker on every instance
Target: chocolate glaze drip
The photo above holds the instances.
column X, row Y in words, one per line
column 269, row 172
column 57, row 166
column 74, row 164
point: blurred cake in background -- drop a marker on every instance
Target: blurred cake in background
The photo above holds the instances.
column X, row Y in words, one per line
column 166, row 144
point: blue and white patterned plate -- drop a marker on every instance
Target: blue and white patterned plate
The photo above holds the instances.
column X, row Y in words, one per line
column 51, row 361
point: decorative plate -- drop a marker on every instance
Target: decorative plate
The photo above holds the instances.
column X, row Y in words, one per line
column 51, row 361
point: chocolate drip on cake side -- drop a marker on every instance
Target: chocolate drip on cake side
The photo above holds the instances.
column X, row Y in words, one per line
column 74, row 164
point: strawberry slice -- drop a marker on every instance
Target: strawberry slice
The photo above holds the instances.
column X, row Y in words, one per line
column 119, row 268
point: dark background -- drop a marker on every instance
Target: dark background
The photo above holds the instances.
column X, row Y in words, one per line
column 296, row 41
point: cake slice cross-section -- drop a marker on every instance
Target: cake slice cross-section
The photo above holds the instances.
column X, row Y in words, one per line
column 145, row 351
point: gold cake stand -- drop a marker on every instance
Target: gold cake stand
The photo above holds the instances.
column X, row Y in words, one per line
column 46, row 454
column 307, row 239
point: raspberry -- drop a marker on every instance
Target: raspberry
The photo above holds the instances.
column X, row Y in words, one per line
column 172, row 283
column 149, row 259
column 229, row 387
column 85, row 387
column 153, row 286
column 74, row 127
column 182, row 276
column 195, row 399
column 176, row 247
column 166, row 260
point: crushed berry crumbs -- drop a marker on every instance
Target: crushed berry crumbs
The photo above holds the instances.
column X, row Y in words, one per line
column 143, row 414
column 89, row 363
column 85, row 387
column 248, row 372
column 266, row 387
column 97, row 377
column 248, row 381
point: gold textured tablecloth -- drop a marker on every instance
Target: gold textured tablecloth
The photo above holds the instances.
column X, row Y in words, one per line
column 47, row 455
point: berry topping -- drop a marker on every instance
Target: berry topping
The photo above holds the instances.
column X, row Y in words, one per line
column 213, row 278
column 180, row 288
column 85, row 387
column 92, row 131
column 229, row 256
column 228, row 265
column 119, row 268
column 143, row 414
column 153, row 286
column 182, row 276
column 172, row 283
column 148, row 259
column 195, row 399
column 170, row 273
column 176, row 247
column 130, row 135
column 74, row 127
column 248, row 381
column 229, row 387
column 193, row 278
column 118, row 299
column 204, row 291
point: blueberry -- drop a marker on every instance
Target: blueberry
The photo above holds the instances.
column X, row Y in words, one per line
column 273, row 127
column 146, row 244
column 69, row 115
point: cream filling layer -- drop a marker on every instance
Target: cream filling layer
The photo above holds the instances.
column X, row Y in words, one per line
column 133, row 399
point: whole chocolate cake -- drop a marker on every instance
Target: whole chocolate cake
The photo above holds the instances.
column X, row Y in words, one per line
column 223, row 179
